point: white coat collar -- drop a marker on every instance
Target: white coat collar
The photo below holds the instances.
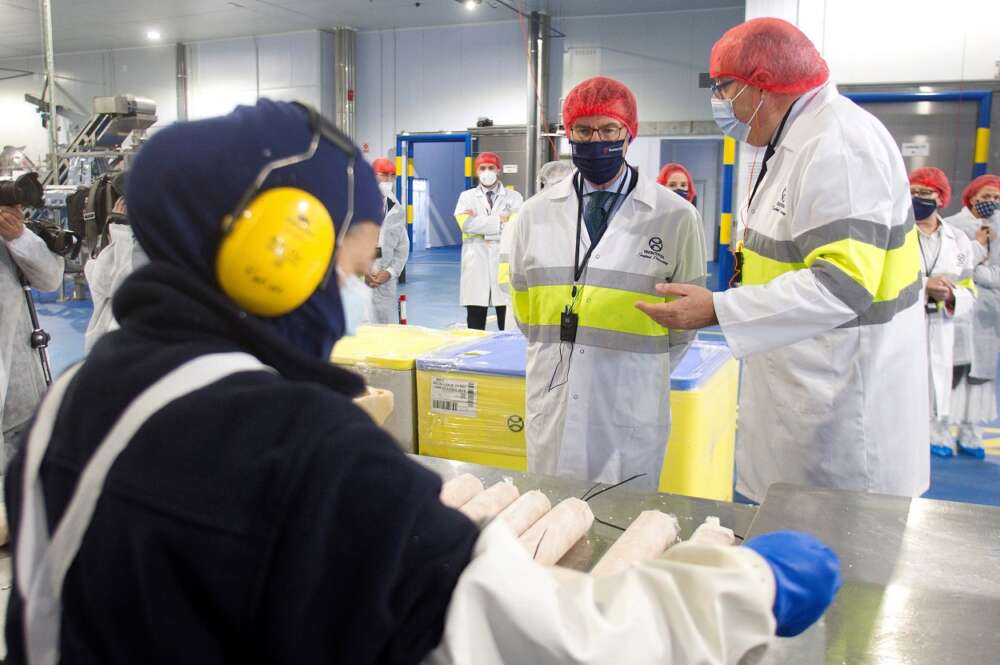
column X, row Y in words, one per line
column 644, row 192
column 807, row 106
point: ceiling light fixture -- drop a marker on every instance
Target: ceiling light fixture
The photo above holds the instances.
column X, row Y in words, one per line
column 471, row 5
column 153, row 35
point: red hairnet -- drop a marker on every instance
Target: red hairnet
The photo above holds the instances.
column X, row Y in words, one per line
column 929, row 176
column 672, row 168
column 769, row 54
column 602, row 96
column 987, row 180
column 384, row 166
column 489, row 158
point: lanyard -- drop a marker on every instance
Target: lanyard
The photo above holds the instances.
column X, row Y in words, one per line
column 631, row 177
column 769, row 153
column 928, row 271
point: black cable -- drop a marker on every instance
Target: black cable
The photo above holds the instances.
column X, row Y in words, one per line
column 613, row 526
column 627, row 480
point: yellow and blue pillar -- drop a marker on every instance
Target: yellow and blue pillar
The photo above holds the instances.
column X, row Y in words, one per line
column 726, row 217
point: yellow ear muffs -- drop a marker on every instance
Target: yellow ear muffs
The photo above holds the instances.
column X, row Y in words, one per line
column 277, row 251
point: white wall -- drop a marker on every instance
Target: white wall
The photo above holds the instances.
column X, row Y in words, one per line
column 226, row 73
column 145, row 72
column 445, row 78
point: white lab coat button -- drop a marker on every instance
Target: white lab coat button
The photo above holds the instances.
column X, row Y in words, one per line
column 576, row 396
column 581, row 350
column 597, row 256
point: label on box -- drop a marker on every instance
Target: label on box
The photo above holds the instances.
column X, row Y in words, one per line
column 452, row 397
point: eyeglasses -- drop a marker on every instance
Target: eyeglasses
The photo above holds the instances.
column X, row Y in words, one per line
column 719, row 86
column 606, row 133
column 923, row 193
column 321, row 129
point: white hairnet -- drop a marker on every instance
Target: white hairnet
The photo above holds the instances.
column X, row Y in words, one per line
column 553, row 172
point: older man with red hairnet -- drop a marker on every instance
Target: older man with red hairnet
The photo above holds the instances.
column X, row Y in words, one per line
column 974, row 397
column 829, row 317
column 946, row 259
column 582, row 254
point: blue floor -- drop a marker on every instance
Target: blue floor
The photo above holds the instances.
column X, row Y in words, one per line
column 432, row 294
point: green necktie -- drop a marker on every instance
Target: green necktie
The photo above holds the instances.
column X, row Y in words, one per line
column 595, row 216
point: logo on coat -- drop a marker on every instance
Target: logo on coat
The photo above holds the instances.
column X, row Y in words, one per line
column 655, row 250
column 780, row 207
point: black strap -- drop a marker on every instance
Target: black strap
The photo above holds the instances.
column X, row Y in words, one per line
column 769, row 152
column 632, row 176
column 928, row 271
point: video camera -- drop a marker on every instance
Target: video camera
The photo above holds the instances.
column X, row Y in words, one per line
column 27, row 191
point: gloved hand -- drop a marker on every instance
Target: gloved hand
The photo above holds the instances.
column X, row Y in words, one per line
column 806, row 577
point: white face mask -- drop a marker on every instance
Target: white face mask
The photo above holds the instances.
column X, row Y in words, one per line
column 356, row 299
column 387, row 189
column 488, row 177
column 725, row 117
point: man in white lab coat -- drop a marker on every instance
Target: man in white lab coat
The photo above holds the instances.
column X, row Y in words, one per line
column 22, row 382
column 977, row 336
column 481, row 213
column 946, row 257
column 830, row 317
column 583, row 252
column 393, row 248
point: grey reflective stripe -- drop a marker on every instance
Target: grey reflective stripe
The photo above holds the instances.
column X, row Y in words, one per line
column 518, row 283
column 505, row 258
column 785, row 251
column 46, row 570
column 605, row 279
column 842, row 286
column 966, row 274
column 866, row 231
column 885, row 311
column 604, row 339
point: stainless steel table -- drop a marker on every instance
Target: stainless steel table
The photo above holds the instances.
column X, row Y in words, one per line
column 618, row 506
column 921, row 578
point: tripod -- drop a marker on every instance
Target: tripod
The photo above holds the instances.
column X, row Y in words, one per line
column 39, row 338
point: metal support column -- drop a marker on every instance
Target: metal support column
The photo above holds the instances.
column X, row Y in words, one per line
column 182, row 82
column 345, row 50
column 45, row 7
column 531, row 161
column 543, row 154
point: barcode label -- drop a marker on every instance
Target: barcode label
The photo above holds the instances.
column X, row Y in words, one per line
column 452, row 397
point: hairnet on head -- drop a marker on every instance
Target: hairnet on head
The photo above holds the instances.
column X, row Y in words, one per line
column 602, row 96
column 489, row 158
column 553, row 172
column 769, row 54
column 384, row 166
column 935, row 179
column 987, row 180
column 672, row 168
column 190, row 175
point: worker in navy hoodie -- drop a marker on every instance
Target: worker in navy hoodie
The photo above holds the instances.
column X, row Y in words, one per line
column 203, row 489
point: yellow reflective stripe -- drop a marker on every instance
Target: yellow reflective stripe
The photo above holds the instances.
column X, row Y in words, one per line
column 967, row 283
column 758, row 269
column 882, row 274
column 503, row 274
column 597, row 307
column 462, row 219
column 858, row 260
column 513, row 216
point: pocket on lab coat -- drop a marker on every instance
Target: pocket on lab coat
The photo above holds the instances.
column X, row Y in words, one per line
column 803, row 377
column 641, row 390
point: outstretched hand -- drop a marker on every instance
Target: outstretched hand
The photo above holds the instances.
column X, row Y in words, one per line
column 691, row 309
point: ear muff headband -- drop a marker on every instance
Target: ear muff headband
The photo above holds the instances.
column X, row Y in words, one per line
column 278, row 244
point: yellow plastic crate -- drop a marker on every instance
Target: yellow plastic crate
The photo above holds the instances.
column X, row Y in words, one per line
column 385, row 355
column 485, row 425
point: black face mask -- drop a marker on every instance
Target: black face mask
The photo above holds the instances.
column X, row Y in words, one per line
column 923, row 208
column 599, row 161
column 683, row 193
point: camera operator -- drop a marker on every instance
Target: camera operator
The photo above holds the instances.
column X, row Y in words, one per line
column 22, row 382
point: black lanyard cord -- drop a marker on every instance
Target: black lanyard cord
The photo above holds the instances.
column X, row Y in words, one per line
column 632, row 178
column 769, row 152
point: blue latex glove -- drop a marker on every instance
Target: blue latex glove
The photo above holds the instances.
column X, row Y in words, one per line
column 806, row 577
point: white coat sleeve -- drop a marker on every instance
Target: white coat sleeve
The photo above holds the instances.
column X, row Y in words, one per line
column 517, row 274
column 692, row 265
column 474, row 225
column 700, row 604
column 42, row 268
column 965, row 294
column 838, row 190
column 396, row 249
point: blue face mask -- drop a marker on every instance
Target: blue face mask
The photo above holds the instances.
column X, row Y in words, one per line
column 599, row 161
column 356, row 299
column 923, row 208
column 725, row 117
column 985, row 209
column 683, row 193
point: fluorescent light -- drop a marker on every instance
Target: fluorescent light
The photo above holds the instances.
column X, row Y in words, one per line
column 153, row 35
column 470, row 4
